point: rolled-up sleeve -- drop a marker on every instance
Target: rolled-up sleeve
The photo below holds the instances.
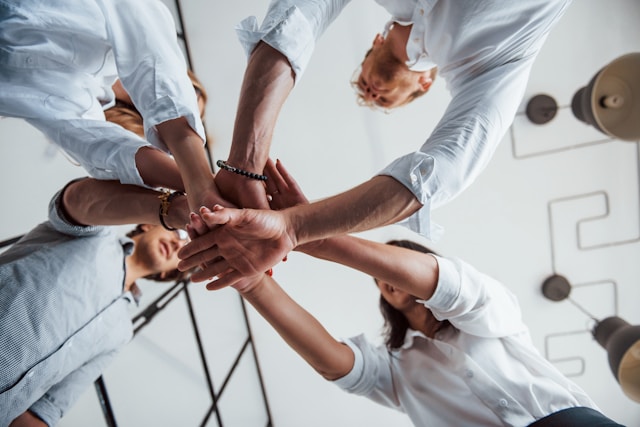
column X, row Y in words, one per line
column 60, row 222
column 291, row 27
column 151, row 64
column 104, row 149
column 371, row 373
column 474, row 302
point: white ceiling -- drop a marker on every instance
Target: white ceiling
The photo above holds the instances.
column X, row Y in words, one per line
column 556, row 198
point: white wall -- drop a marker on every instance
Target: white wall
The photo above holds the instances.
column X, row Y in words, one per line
column 563, row 174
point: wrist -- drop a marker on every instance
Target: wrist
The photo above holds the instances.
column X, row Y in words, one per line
column 249, row 286
column 173, row 212
column 239, row 171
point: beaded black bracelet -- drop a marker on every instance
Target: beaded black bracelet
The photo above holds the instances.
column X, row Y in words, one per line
column 165, row 203
column 224, row 165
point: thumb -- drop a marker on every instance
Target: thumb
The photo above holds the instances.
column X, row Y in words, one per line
column 218, row 216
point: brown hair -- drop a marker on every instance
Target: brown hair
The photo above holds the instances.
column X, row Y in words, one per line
column 396, row 324
column 128, row 116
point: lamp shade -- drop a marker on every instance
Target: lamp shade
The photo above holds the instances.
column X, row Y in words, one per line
column 611, row 100
column 622, row 342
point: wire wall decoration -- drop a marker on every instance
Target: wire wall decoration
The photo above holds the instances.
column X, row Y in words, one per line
column 573, row 363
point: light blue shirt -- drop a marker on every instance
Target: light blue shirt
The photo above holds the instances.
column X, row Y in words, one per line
column 59, row 59
column 483, row 371
column 63, row 315
column 484, row 50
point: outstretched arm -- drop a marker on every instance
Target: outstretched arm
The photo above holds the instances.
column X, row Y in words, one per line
column 247, row 231
column 413, row 272
column 187, row 149
column 304, row 334
column 267, row 83
column 279, row 51
column 252, row 241
column 91, row 201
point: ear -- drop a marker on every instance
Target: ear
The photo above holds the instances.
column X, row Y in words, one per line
column 387, row 287
column 146, row 227
column 425, row 81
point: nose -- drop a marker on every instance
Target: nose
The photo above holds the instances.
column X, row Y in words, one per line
column 370, row 94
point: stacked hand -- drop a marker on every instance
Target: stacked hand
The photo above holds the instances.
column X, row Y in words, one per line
column 242, row 243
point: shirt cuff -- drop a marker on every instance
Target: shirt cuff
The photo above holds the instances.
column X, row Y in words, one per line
column 349, row 381
column 46, row 411
column 415, row 171
column 61, row 223
column 290, row 34
column 165, row 109
column 448, row 288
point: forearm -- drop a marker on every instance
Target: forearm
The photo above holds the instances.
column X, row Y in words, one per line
column 414, row 272
column 97, row 202
column 375, row 203
column 27, row 419
column 267, row 83
column 302, row 332
column 157, row 169
column 187, row 148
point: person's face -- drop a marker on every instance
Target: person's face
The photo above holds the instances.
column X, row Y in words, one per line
column 385, row 81
column 398, row 299
column 158, row 248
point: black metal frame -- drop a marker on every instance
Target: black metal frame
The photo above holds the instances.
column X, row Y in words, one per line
column 142, row 319
column 157, row 305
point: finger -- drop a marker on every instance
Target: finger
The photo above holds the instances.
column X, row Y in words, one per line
column 197, row 245
column 191, row 232
column 219, row 216
column 286, row 177
column 228, row 279
column 214, row 269
column 274, row 182
column 198, row 224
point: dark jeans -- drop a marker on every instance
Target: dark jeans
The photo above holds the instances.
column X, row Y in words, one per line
column 576, row 417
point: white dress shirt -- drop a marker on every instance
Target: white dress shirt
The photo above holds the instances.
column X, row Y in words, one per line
column 483, row 371
column 58, row 61
column 484, row 50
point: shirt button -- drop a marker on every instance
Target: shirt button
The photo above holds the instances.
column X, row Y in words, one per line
column 30, row 374
column 504, row 403
column 416, row 39
column 469, row 373
column 414, row 178
column 29, row 60
column 422, row 12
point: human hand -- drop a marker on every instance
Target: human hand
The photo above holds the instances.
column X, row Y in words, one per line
column 281, row 187
column 196, row 228
column 239, row 243
column 285, row 192
column 206, row 193
column 241, row 191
